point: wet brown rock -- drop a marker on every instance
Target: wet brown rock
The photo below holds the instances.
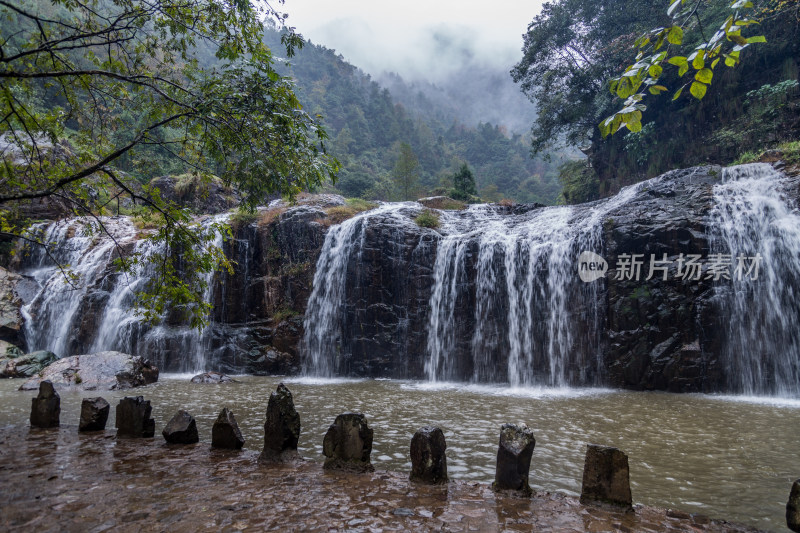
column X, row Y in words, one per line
column 133, row 418
column 46, row 407
column 94, row 414
column 428, row 459
column 606, row 477
column 348, row 444
column 514, row 458
column 282, row 428
column 225, row 432
column 793, row 507
column 181, row 429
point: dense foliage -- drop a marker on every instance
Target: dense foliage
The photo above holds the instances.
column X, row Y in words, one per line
column 573, row 48
column 92, row 86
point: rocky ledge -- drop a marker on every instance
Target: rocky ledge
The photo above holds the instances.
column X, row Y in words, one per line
column 95, row 483
column 97, row 371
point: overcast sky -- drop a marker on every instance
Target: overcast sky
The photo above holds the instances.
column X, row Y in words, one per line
column 419, row 39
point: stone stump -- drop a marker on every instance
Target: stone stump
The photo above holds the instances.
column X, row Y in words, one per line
column 514, row 458
column 94, row 414
column 46, row 407
column 428, row 460
column 793, row 507
column 348, row 444
column 225, row 432
column 282, row 428
column 606, row 477
column 133, row 418
column 181, row 429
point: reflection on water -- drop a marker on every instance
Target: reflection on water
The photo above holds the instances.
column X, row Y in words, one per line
column 733, row 458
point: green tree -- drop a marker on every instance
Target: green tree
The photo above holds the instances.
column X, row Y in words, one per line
column 88, row 85
column 406, row 172
column 464, row 188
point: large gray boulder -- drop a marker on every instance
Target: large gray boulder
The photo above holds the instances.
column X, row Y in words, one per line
column 97, row 371
column 14, row 364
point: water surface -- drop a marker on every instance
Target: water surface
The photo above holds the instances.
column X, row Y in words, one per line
column 727, row 457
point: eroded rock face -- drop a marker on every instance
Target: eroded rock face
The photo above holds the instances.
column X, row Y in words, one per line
column 348, row 444
column 282, row 428
column 94, row 414
column 428, row 459
column 133, row 418
column 46, row 407
column 98, row 371
column 606, row 477
column 514, row 458
column 10, row 303
column 203, row 198
column 225, row 432
column 181, row 429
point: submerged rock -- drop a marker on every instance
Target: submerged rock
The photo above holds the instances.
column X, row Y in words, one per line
column 606, row 477
column 181, row 429
column 133, row 418
column 282, row 428
column 514, row 458
column 225, row 432
column 46, row 407
column 98, row 371
column 13, row 364
column 348, row 444
column 94, row 414
column 213, row 377
column 428, row 459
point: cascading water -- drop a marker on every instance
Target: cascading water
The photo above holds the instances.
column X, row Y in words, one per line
column 102, row 298
column 754, row 220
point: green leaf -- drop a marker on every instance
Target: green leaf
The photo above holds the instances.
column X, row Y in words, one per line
column 683, row 69
column 657, row 89
column 698, row 63
column 730, row 61
column 634, row 126
column 677, row 61
column 757, row 39
column 675, row 35
column 677, row 94
column 698, row 90
column 704, row 75
column 655, row 71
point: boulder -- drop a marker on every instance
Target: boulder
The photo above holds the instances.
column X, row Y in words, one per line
column 225, row 432
column 98, row 371
column 428, row 460
column 181, row 429
column 213, row 377
column 10, row 303
column 94, row 414
column 606, row 477
column 348, row 444
column 514, row 458
column 17, row 365
column 793, row 507
column 282, row 428
column 133, row 418
column 46, row 407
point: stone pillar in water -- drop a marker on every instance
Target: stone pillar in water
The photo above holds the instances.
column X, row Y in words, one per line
column 181, row 429
column 348, row 444
column 94, row 414
column 46, row 407
column 133, row 418
column 605, row 476
column 514, row 458
column 282, row 428
column 225, row 433
column 428, row 460
column 793, row 507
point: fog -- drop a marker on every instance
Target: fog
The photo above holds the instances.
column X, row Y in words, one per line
column 459, row 51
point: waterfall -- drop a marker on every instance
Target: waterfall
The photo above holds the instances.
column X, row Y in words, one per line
column 753, row 219
column 95, row 311
column 531, row 312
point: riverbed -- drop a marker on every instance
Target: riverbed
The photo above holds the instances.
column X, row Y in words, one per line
column 727, row 457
